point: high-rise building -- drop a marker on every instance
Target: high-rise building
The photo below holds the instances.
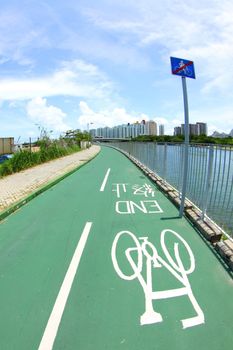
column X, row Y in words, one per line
column 161, row 129
column 150, row 128
column 93, row 132
column 177, row 131
column 194, row 129
column 201, row 128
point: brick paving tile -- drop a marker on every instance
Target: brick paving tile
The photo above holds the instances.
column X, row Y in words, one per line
column 17, row 186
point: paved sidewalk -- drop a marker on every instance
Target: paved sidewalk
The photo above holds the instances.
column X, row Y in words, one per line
column 17, row 186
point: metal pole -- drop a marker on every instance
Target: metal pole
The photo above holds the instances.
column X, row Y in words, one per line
column 208, row 181
column 165, row 162
column 186, row 145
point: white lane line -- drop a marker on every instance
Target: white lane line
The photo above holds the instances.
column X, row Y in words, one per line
column 105, row 180
column 60, row 303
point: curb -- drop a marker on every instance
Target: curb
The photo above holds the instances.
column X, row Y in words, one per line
column 40, row 190
column 225, row 252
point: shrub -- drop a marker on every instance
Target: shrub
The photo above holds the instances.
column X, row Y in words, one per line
column 6, row 168
column 25, row 159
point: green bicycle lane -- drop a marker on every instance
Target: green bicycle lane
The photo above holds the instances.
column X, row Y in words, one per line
column 128, row 292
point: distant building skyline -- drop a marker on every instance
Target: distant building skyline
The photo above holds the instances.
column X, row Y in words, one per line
column 197, row 129
column 127, row 130
column 132, row 130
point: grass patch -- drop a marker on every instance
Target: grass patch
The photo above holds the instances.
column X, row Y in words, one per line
column 26, row 159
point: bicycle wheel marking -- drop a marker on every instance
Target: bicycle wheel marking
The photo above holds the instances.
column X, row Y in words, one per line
column 154, row 261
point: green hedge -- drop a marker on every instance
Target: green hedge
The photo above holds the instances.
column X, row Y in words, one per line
column 25, row 159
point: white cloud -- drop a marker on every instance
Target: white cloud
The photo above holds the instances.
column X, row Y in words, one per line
column 201, row 32
column 18, row 33
column 168, row 124
column 110, row 118
column 74, row 78
column 160, row 121
column 118, row 116
column 46, row 116
column 217, row 119
column 141, row 34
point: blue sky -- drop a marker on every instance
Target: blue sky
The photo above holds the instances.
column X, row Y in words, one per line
column 64, row 64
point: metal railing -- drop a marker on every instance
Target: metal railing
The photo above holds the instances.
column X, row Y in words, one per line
column 210, row 174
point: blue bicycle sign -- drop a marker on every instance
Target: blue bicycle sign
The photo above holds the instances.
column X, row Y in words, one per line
column 182, row 67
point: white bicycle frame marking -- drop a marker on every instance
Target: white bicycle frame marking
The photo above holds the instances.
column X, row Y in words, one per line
column 175, row 267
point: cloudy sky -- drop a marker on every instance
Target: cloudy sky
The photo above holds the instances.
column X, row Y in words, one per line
column 66, row 64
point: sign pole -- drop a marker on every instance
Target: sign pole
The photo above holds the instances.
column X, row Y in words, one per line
column 186, row 145
column 184, row 68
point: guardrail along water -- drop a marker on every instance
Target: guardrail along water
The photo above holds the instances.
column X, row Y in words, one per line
column 210, row 174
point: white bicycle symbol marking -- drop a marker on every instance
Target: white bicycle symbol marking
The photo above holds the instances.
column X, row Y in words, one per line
column 147, row 250
column 186, row 70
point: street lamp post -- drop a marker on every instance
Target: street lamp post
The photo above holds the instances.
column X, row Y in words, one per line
column 88, row 131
